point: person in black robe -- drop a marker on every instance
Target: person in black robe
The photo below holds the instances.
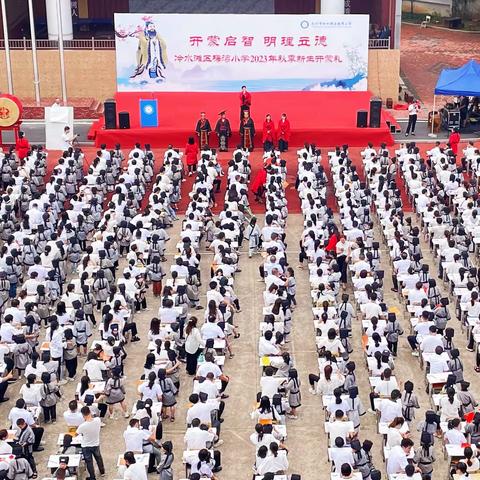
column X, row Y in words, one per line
column 203, row 130
column 223, row 131
column 247, row 131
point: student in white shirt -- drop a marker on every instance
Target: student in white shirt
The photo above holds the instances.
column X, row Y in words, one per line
column 265, row 413
column 68, row 138
column 394, row 435
column 134, row 436
column 397, row 460
column 471, row 460
column 431, row 341
column 372, row 308
column 151, row 389
column 439, row 361
column 264, row 435
column 454, row 433
column 30, row 392
column 449, row 406
column 384, row 387
column 266, row 347
column 133, row 470
column 340, row 428
column 94, row 367
column 390, row 408
column 340, row 454
column 416, row 296
column 5, row 447
column 198, row 436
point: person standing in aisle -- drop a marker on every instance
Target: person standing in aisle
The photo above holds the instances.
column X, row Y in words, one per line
column 90, row 432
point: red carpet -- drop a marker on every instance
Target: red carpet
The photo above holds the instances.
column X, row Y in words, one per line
column 256, row 161
column 323, row 118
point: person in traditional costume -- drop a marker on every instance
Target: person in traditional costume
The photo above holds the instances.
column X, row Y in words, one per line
column 151, row 55
column 203, row 130
column 283, row 133
column 268, row 136
column 247, row 131
column 245, row 101
column 223, row 131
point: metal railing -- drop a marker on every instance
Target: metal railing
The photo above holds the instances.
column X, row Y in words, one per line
column 379, row 43
column 97, row 44
column 80, row 44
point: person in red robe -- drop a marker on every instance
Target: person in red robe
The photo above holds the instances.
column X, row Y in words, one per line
column 268, row 137
column 22, row 146
column 332, row 242
column 258, row 184
column 454, row 140
column 245, row 101
column 283, row 133
column 191, row 154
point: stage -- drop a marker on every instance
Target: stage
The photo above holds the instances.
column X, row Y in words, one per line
column 323, row 118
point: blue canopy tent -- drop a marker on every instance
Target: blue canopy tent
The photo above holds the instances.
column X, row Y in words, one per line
column 464, row 80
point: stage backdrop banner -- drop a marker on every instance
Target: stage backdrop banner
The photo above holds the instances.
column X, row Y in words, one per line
column 220, row 53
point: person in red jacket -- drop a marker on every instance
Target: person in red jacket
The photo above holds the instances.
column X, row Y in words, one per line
column 283, row 133
column 22, row 146
column 268, row 137
column 332, row 242
column 191, row 154
column 454, row 140
column 258, row 184
column 245, row 101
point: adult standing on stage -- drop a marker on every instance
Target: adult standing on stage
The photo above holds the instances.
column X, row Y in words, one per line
column 247, row 131
column 223, row 131
column 413, row 110
column 203, row 130
column 283, row 133
column 245, row 101
column 268, row 137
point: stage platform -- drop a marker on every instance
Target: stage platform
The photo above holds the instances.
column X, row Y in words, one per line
column 323, row 118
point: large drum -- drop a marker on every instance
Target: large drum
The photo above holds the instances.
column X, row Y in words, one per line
column 436, row 121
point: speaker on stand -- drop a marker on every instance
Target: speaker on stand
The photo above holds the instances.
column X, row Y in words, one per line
column 375, row 112
column 362, row 119
column 110, row 113
column 124, row 120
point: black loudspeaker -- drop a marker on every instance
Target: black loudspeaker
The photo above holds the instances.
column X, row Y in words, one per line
column 110, row 113
column 453, row 119
column 362, row 119
column 124, row 120
column 295, row 476
column 375, row 112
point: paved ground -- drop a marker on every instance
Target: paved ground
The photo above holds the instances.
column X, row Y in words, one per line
column 422, row 132
column 306, row 439
column 426, row 51
column 35, row 131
